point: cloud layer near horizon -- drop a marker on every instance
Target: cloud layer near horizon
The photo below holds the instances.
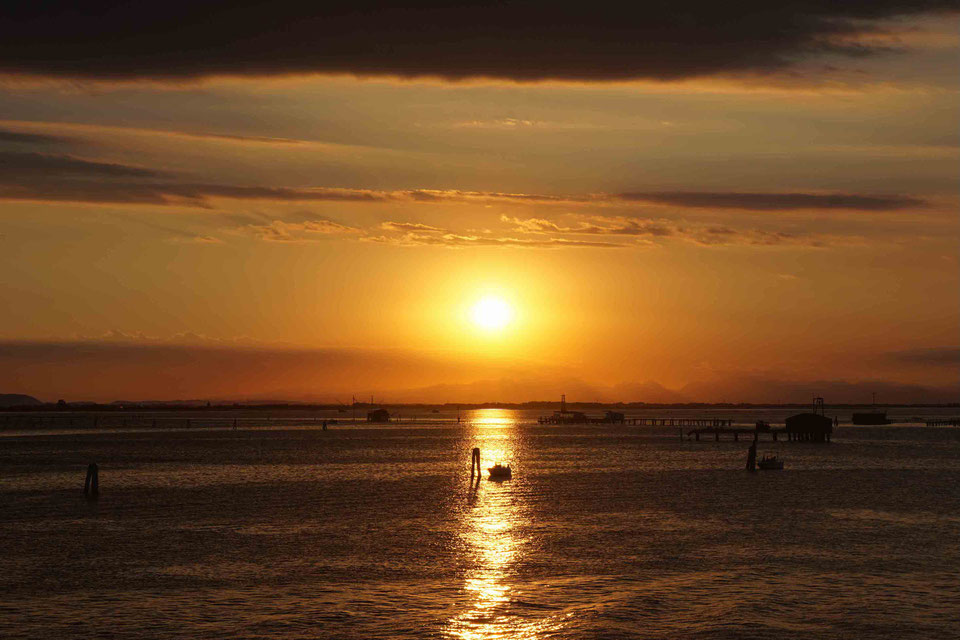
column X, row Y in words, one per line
column 530, row 40
column 137, row 367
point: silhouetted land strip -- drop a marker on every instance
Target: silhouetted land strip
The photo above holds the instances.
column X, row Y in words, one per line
column 197, row 405
column 732, row 421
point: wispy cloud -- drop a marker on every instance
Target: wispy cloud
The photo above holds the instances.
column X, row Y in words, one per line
column 409, row 226
column 45, row 131
column 594, row 225
column 774, row 201
column 15, row 164
column 48, row 177
column 28, row 137
column 701, row 234
column 454, row 240
column 298, row 231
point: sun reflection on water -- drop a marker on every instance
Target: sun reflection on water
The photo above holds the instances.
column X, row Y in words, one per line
column 491, row 530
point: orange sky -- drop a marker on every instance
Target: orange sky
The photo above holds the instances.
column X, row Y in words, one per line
column 730, row 236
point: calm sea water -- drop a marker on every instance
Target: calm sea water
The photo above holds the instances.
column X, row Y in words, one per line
column 605, row 531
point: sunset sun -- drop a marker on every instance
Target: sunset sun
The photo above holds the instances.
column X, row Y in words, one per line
column 491, row 313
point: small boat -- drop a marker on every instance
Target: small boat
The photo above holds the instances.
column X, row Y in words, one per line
column 770, row 463
column 874, row 416
column 500, row 472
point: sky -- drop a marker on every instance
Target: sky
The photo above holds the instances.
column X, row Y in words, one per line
column 666, row 202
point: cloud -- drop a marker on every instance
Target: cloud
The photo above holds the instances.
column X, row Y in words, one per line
column 67, row 178
column 596, row 225
column 526, row 41
column 499, row 123
column 774, row 201
column 123, row 365
column 177, row 235
column 706, row 235
column 91, row 133
column 930, row 356
column 298, row 230
column 736, row 386
column 51, row 181
column 133, row 366
column 15, row 164
column 410, row 226
column 49, row 177
column 406, row 234
column 454, row 240
column 7, row 135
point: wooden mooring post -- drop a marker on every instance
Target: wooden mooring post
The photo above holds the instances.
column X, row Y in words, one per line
column 91, row 486
column 475, row 463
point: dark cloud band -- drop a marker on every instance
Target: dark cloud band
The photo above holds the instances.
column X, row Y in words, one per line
column 774, row 201
column 529, row 40
column 65, row 178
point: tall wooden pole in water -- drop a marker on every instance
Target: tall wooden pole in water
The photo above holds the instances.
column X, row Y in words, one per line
column 91, row 486
column 475, row 463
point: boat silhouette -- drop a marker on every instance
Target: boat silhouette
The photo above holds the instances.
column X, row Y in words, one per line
column 770, row 463
column 500, row 472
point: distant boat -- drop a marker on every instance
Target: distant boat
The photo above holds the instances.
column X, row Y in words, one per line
column 770, row 463
column 870, row 417
column 500, row 472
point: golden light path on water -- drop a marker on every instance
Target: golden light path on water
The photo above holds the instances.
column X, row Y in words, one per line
column 491, row 532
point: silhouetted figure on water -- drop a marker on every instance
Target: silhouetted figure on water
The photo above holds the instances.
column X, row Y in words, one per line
column 752, row 457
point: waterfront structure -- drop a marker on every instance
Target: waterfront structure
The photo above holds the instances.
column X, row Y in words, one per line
column 810, row 427
column 378, row 415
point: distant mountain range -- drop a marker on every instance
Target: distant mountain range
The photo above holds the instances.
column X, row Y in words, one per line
column 18, row 400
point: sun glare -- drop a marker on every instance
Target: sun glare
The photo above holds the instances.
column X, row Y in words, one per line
column 491, row 313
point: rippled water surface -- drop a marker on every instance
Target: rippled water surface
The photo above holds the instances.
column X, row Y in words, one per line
column 605, row 531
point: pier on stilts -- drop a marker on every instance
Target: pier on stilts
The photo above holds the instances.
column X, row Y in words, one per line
column 751, row 432
column 576, row 417
column 713, row 423
column 944, row 422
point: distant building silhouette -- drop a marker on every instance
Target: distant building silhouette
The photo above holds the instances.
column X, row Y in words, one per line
column 810, row 427
column 566, row 417
column 378, row 415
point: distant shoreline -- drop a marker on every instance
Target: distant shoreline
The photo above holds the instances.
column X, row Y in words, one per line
column 544, row 405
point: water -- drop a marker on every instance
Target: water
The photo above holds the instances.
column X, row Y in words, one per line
column 605, row 531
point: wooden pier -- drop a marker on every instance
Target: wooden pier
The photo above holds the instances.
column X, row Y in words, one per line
column 715, row 423
column 802, row 430
column 736, row 432
column 576, row 417
column 944, row 422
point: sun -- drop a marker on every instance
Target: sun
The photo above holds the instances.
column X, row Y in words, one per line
column 491, row 313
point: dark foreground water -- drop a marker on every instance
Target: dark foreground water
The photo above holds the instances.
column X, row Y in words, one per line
column 604, row 532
